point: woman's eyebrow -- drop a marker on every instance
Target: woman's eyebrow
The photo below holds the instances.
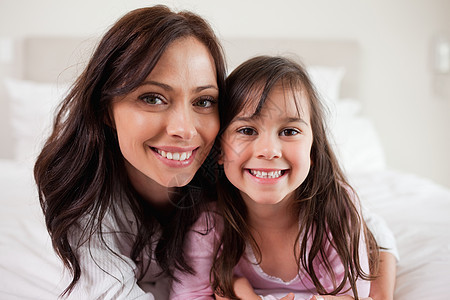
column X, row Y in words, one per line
column 170, row 88
column 160, row 84
column 206, row 87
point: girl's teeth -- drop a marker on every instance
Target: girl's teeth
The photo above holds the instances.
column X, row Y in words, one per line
column 175, row 155
column 262, row 174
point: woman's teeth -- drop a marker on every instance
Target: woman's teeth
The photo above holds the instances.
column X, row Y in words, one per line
column 262, row 174
column 175, row 155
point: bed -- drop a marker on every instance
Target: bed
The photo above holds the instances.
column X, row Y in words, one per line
column 416, row 209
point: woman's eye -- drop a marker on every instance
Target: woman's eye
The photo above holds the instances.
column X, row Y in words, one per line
column 205, row 102
column 152, row 99
column 289, row 132
column 247, row 131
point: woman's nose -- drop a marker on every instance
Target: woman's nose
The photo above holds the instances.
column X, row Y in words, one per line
column 181, row 123
column 268, row 146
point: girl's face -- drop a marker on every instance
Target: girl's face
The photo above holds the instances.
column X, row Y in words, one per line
column 267, row 156
column 167, row 126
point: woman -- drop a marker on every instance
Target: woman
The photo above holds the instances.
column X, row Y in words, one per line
column 117, row 178
column 132, row 133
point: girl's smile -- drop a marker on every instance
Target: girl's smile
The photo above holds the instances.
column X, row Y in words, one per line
column 267, row 173
column 267, row 155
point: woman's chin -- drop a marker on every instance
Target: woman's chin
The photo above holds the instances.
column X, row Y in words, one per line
column 179, row 180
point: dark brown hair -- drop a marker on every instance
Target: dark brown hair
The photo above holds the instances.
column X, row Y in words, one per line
column 80, row 173
column 324, row 201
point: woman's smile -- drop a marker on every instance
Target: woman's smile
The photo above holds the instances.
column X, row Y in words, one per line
column 175, row 157
column 167, row 125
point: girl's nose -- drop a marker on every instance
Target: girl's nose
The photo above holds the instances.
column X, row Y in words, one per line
column 268, row 146
column 181, row 123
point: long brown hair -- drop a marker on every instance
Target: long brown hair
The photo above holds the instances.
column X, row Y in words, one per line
column 324, row 201
column 80, row 172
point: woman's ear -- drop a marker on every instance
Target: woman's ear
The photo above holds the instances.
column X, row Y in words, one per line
column 108, row 119
column 220, row 157
column 217, row 151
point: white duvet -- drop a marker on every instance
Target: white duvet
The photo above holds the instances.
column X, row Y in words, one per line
column 417, row 211
column 29, row 269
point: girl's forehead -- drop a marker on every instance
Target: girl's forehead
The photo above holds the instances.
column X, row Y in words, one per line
column 281, row 100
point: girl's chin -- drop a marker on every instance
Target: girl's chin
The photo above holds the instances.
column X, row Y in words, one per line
column 263, row 199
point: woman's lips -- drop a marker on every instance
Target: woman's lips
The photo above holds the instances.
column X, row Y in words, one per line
column 179, row 156
column 175, row 157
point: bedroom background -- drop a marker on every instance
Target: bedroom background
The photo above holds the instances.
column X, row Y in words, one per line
column 396, row 38
column 390, row 121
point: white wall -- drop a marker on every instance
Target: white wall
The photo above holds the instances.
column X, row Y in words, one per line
column 395, row 37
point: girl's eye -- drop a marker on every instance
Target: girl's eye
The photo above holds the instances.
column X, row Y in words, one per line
column 152, row 99
column 247, row 131
column 205, row 102
column 289, row 132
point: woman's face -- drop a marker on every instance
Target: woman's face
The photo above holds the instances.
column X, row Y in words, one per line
column 167, row 125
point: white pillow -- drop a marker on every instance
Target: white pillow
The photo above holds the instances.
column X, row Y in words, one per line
column 354, row 139
column 32, row 108
column 327, row 81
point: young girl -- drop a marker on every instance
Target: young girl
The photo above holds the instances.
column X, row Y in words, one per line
column 286, row 219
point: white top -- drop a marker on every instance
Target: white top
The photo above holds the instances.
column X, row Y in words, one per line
column 105, row 275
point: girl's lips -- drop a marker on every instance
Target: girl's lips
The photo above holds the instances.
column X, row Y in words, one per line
column 266, row 174
column 175, row 157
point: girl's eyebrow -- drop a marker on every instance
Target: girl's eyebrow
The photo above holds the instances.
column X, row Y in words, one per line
column 244, row 119
column 286, row 119
column 169, row 88
column 296, row 119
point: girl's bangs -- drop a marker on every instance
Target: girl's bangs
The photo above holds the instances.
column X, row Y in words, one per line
column 258, row 95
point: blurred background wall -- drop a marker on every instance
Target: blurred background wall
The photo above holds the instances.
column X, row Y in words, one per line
column 406, row 98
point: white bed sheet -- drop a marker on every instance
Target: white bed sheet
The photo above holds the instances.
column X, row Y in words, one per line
column 418, row 212
column 29, row 269
column 416, row 209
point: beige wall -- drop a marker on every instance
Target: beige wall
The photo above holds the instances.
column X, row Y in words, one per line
column 395, row 37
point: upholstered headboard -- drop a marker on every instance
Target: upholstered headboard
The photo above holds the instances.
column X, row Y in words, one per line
column 46, row 59
column 52, row 59
column 59, row 60
column 329, row 53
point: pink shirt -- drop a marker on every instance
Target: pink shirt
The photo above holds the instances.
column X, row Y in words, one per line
column 199, row 254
